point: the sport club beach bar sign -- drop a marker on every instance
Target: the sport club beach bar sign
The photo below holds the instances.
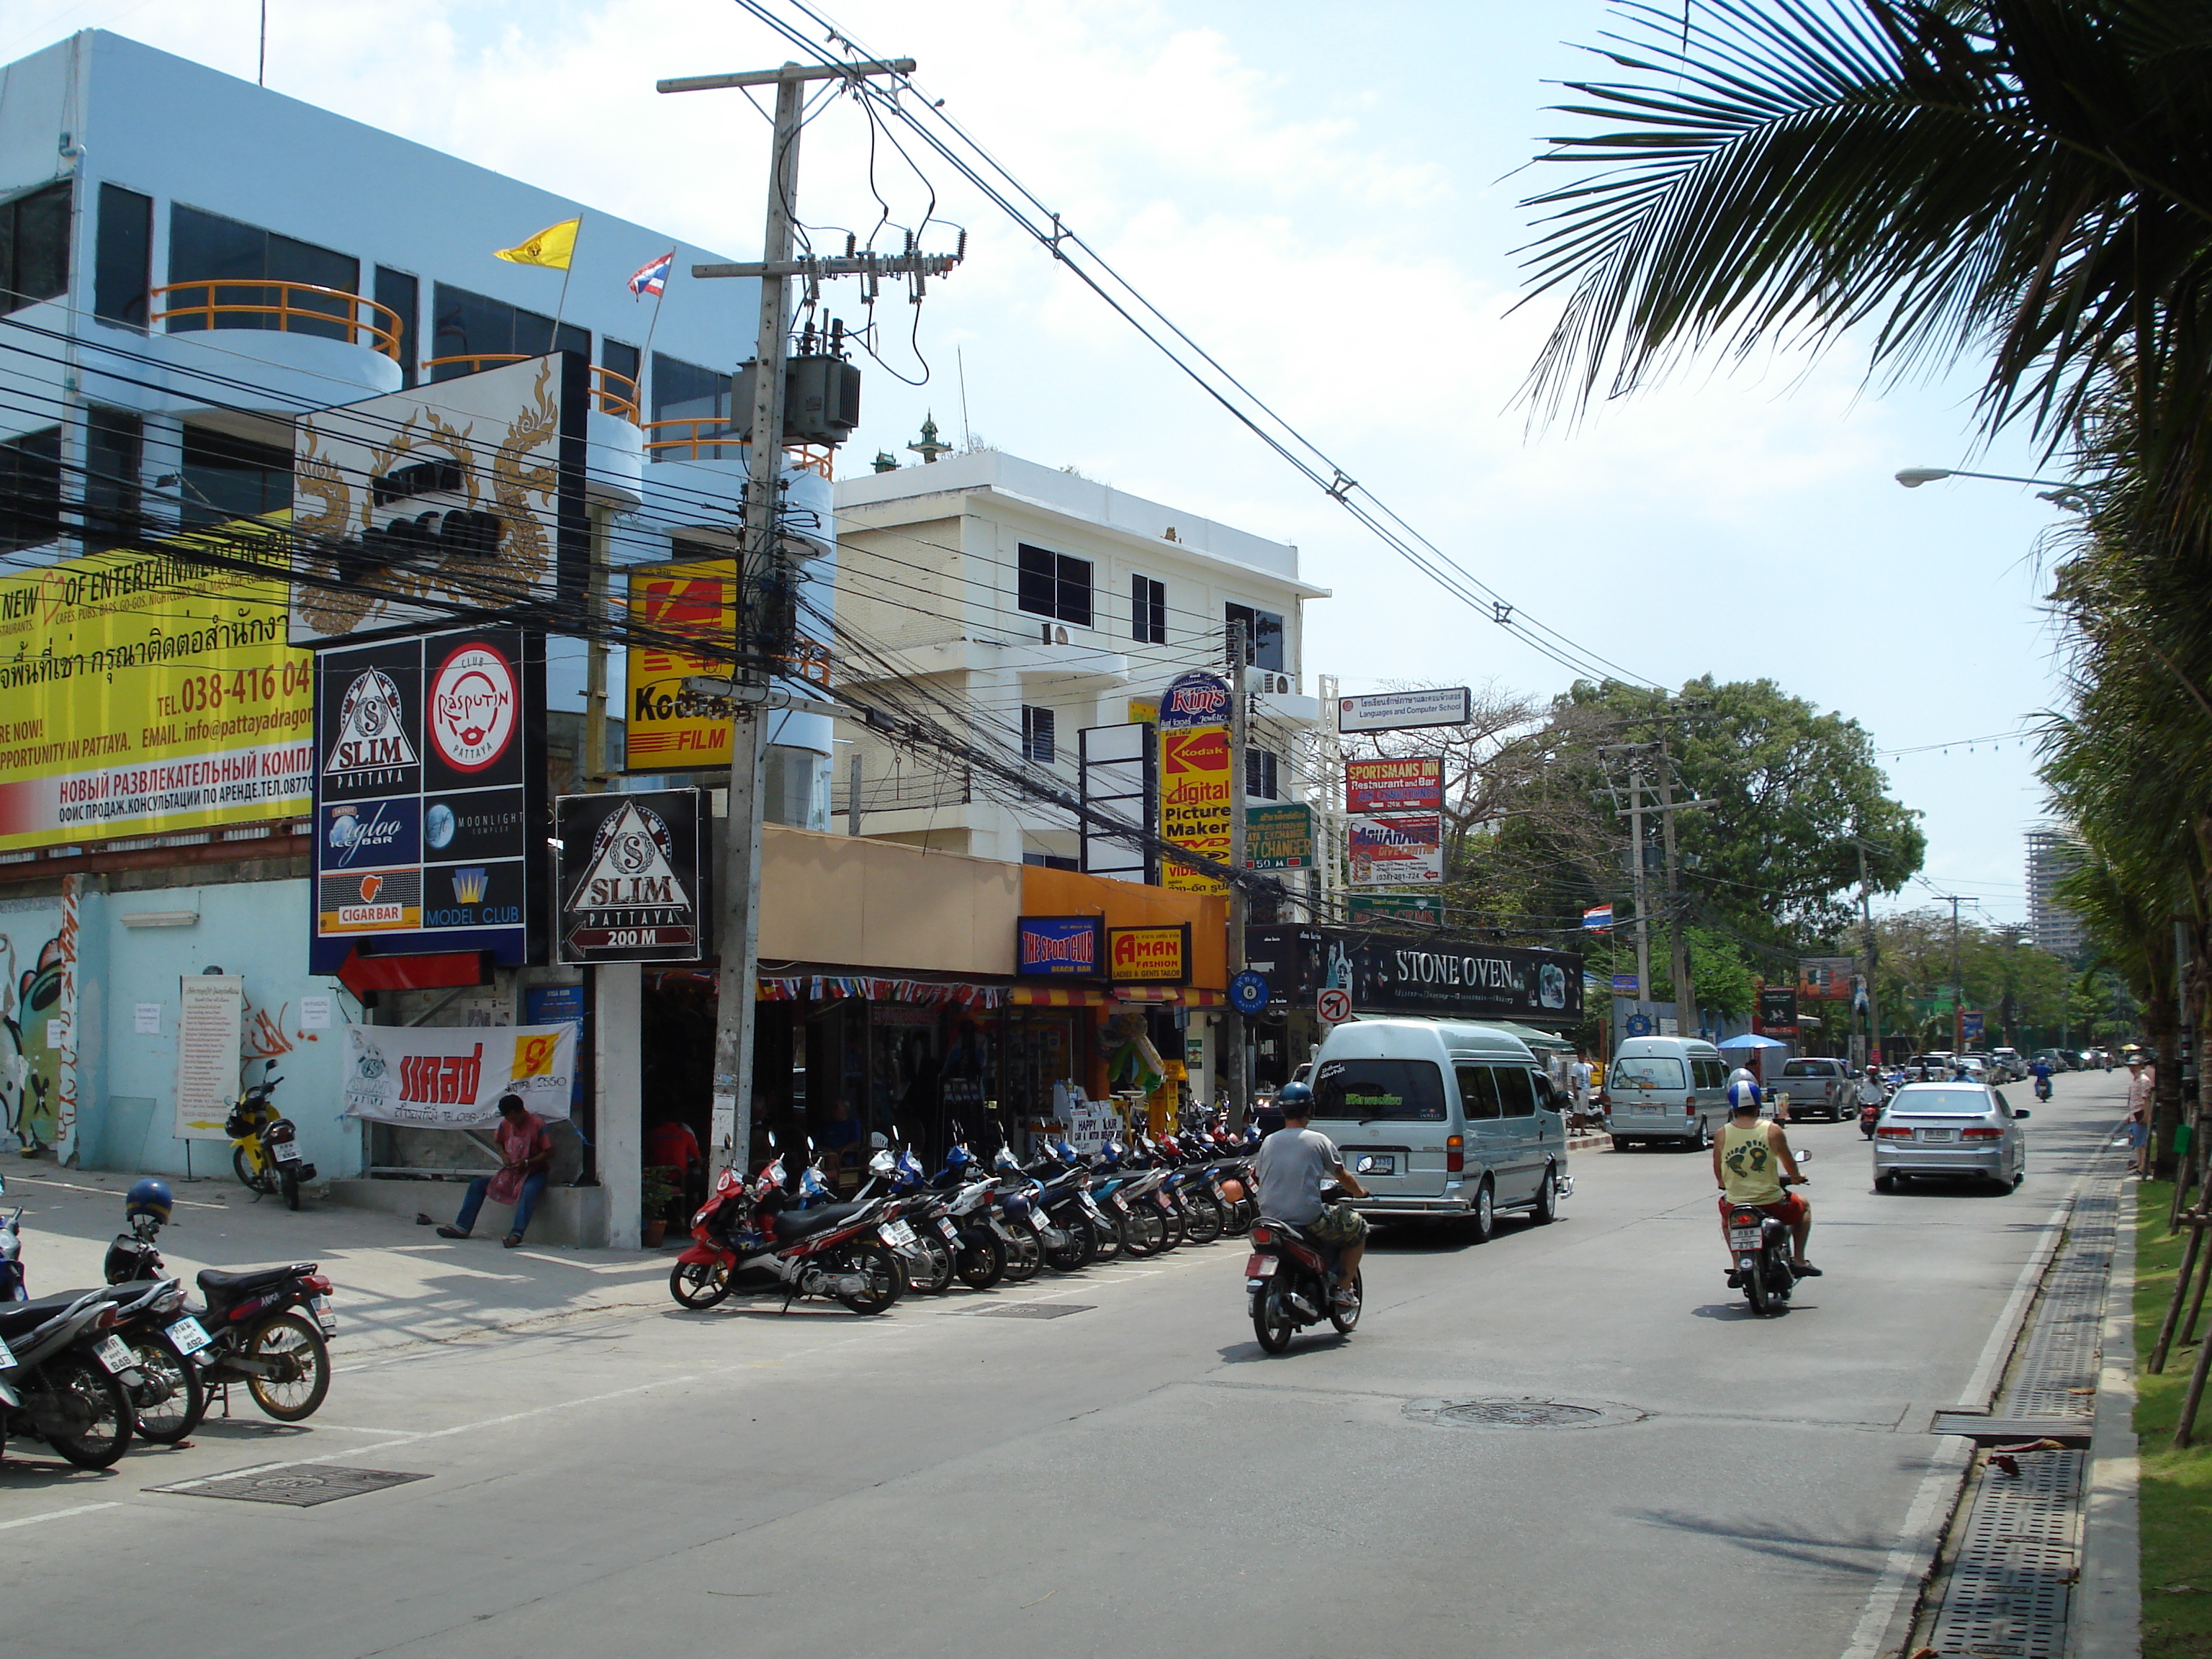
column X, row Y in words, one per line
column 1196, row 805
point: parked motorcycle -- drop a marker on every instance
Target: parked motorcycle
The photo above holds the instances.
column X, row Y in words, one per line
column 64, row 1373
column 264, row 1144
column 843, row 1251
column 1287, row 1284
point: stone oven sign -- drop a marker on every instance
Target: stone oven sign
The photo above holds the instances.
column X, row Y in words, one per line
column 632, row 872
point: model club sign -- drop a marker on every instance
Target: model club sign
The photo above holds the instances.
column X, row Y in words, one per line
column 631, row 872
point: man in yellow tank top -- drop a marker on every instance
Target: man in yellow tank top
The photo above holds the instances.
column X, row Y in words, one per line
column 1750, row 1161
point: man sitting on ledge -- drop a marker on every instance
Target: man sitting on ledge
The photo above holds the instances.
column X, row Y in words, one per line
column 527, row 1151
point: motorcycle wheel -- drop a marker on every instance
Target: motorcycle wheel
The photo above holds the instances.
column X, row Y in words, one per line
column 943, row 1268
column 1025, row 1261
column 982, row 1259
column 879, row 1264
column 1076, row 1254
column 1241, row 1215
column 1177, row 1234
column 289, row 1337
column 291, row 1187
column 699, row 1283
column 1105, row 1242
column 102, row 1405
column 1144, row 1232
column 251, row 1179
column 1203, row 1221
column 1271, row 1321
column 177, row 1413
column 1347, row 1319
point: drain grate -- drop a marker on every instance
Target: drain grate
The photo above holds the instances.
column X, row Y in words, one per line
column 302, row 1486
column 1030, row 1310
column 1521, row 1412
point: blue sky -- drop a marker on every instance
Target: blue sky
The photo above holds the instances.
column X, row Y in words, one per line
column 1321, row 196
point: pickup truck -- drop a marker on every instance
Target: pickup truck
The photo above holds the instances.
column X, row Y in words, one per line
column 1817, row 1086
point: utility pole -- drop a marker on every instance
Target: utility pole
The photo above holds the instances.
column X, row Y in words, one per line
column 762, row 572
column 1636, row 852
column 1873, row 956
column 1958, row 991
column 1240, row 1073
column 1687, row 1023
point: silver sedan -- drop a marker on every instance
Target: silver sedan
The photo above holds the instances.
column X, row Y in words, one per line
column 1959, row 1130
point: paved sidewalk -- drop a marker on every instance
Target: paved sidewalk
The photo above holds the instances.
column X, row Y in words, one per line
column 396, row 1285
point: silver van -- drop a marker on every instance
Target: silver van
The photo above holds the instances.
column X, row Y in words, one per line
column 1666, row 1090
column 1442, row 1121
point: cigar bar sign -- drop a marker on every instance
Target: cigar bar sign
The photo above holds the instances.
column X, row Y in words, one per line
column 632, row 876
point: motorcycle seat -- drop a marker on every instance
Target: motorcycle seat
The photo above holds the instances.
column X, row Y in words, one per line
column 229, row 1287
column 804, row 1224
column 21, row 1318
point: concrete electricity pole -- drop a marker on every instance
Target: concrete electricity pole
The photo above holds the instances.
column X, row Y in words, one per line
column 762, row 571
column 1958, row 991
column 1240, row 1073
column 1873, row 956
column 1642, row 919
column 1687, row 1023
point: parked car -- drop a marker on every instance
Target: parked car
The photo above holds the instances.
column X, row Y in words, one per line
column 2011, row 1068
column 1952, row 1130
column 2050, row 1057
column 1816, row 1085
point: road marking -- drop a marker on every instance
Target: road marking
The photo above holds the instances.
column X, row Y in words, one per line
column 55, row 1515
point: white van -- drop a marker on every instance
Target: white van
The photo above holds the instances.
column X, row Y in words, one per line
column 1666, row 1090
column 1442, row 1121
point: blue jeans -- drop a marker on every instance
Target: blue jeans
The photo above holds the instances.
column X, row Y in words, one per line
column 532, row 1185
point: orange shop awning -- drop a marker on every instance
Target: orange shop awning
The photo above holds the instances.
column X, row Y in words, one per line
column 1057, row 996
column 1188, row 996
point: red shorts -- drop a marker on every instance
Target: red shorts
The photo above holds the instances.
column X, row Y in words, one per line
column 1791, row 1211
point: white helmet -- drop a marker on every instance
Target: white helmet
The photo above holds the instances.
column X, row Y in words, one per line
column 1743, row 1095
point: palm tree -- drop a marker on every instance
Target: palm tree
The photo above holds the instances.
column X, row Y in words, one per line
column 2026, row 182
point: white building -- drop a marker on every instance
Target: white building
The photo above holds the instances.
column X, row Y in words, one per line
column 1041, row 603
column 2051, row 853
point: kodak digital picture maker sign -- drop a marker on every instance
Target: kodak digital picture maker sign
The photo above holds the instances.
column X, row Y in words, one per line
column 631, row 876
column 430, row 818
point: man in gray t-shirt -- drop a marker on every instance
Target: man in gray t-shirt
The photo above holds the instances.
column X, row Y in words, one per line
column 1294, row 1163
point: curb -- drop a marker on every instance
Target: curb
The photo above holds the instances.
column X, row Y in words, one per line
column 2107, row 1621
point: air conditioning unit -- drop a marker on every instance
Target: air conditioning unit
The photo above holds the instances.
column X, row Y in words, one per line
column 1273, row 685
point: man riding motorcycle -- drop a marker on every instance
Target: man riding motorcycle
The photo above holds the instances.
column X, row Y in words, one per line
column 1751, row 1161
column 2040, row 1071
column 1293, row 1165
column 1871, row 1095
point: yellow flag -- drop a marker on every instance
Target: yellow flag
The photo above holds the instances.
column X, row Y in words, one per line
column 553, row 247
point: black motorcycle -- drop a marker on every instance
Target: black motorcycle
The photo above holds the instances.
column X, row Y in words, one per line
column 1287, row 1284
column 63, row 1376
column 268, row 1328
column 1760, row 1244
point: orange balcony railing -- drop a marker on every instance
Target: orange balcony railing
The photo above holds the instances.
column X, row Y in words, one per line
column 615, row 393
column 287, row 307
column 705, row 437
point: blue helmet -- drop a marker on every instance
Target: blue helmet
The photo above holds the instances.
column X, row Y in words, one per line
column 149, row 1197
column 1743, row 1096
column 1294, row 1100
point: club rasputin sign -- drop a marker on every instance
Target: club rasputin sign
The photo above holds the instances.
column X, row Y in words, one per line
column 631, row 872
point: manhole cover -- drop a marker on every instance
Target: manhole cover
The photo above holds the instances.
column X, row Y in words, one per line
column 1521, row 1413
column 302, row 1486
column 1032, row 1309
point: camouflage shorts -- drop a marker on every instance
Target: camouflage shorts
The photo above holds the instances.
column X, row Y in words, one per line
column 1339, row 1224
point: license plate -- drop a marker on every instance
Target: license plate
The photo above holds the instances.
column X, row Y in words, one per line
column 287, row 1152
column 110, row 1352
column 1259, row 1267
column 1121, row 1203
column 1368, row 1164
column 1938, row 1134
column 898, row 1233
column 1743, row 1239
column 324, row 1317
column 189, row 1334
column 7, row 1357
column 951, row 1233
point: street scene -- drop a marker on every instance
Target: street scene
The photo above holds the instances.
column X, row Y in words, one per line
column 777, row 868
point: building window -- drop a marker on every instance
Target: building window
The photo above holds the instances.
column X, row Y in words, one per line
column 1148, row 610
column 1054, row 584
column 473, row 325
column 685, row 392
column 123, row 257
column 1259, row 776
column 227, row 477
column 1050, row 861
column 623, row 360
column 401, row 292
column 228, row 263
column 113, row 442
column 30, row 490
column 35, row 247
column 680, row 549
column 1263, row 635
column 1036, row 734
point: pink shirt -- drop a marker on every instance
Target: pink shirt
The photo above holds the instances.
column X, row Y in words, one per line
column 519, row 1142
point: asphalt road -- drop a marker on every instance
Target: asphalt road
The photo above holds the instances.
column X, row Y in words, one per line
column 1132, row 1479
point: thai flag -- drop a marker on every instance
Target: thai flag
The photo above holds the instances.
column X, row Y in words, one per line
column 1598, row 917
column 652, row 276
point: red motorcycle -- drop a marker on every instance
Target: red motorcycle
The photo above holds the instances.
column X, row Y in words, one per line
column 836, row 1251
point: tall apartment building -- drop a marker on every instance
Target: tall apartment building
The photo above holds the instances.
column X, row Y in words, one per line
column 2051, row 853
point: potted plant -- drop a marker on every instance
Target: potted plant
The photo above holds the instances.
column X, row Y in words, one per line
column 655, row 1192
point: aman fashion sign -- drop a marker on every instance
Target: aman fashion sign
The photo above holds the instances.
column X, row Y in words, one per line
column 1149, row 956
column 451, row 1076
column 457, row 496
column 147, row 693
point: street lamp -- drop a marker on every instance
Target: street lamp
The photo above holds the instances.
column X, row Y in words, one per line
column 2066, row 495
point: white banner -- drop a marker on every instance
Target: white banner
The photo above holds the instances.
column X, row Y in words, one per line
column 451, row 1076
column 210, row 1019
column 1400, row 849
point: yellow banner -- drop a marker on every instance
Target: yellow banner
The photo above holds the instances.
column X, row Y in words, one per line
column 141, row 694
column 665, row 730
column 1194, row 803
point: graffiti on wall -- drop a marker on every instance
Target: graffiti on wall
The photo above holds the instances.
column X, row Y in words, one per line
column 35, row 968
